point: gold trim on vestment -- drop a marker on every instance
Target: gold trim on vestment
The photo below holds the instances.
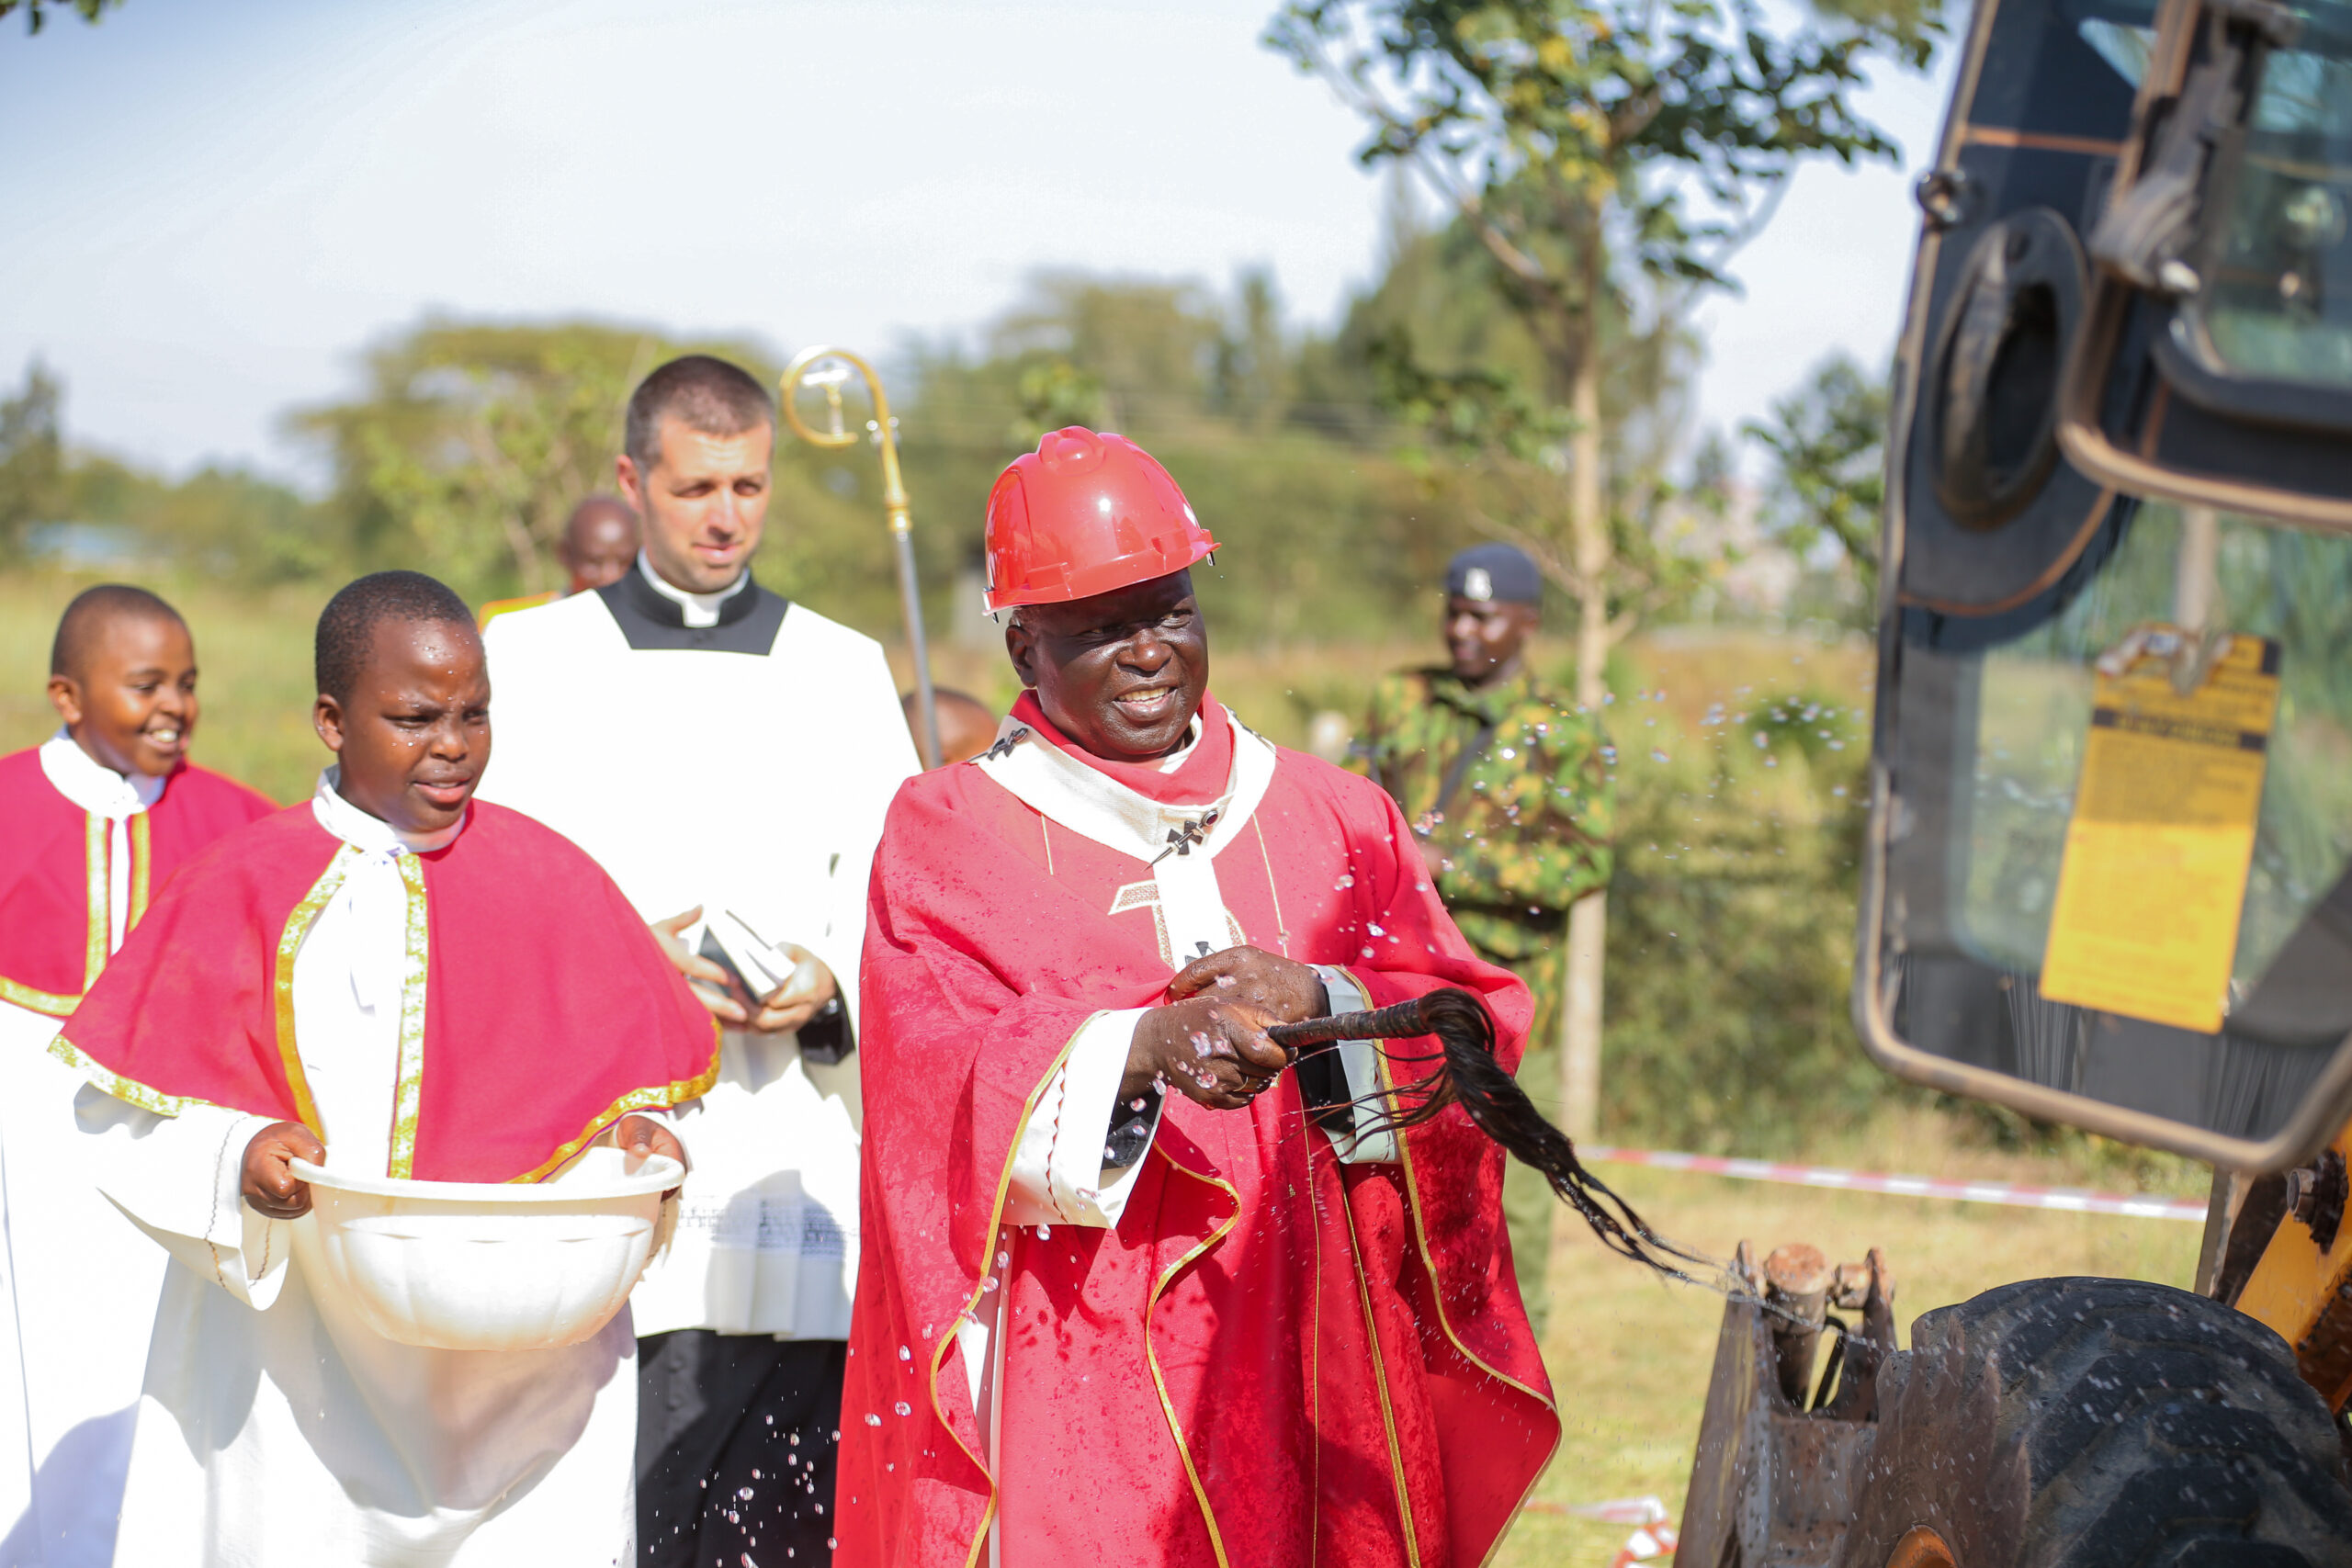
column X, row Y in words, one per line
column 996, row 1218
column 25, row 997
column 408, row 1095
column 1282, row 929
column 1380, row 1385
column 101, row 923
column 128, row 1091
column 1437, row 1300
column 635, row 1099
column 290, row 943
column 1307, row 1135
column 1151, row 1357
column 143, row 863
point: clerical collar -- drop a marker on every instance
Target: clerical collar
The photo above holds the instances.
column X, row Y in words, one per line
column 91, row 785
column 695, row 610
column 372, row 834
column 1087, row 796
column 654, row 615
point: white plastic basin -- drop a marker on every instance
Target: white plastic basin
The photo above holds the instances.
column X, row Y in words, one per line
column 487, row 1265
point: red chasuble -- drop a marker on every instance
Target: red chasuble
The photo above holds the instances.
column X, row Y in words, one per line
column 1273, row 1359
column 54, row 921
column 548, row 1011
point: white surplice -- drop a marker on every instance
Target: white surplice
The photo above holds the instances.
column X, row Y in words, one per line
column 749, row 778
column 275, row 1429
column 77, row 1404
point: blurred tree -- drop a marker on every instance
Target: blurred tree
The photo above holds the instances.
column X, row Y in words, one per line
column 1251, row 379
column 1827, row 441
column 36, row 11
column 32, row 458
column 1149, row 347
column 472, row 441
column 1609, row 156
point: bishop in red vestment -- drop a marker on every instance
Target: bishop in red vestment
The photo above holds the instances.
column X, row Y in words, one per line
column 1130, row 1292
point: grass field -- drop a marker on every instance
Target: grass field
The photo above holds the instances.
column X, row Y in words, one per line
column 1629, row 1358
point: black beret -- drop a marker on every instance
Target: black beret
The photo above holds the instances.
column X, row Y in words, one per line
column 1494, row 573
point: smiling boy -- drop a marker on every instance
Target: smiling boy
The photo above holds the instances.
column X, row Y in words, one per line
column 93, row 824
column 395, row 980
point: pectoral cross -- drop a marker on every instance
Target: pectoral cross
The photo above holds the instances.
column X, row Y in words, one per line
column 1180, row 839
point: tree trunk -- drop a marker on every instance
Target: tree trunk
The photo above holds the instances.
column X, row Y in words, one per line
column 1588, row 527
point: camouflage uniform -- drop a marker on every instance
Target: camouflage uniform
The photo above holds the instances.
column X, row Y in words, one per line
column 1525, row 835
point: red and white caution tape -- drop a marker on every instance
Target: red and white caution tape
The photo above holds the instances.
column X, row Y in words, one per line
column 2072, row 1199
column 1652, row 1538
column 1616, row 1511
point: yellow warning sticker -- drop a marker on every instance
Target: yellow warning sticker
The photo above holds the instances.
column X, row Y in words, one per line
column 2153, row 877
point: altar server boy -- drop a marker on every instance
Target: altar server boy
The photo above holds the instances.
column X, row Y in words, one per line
column 399, row 981
column 94, row 822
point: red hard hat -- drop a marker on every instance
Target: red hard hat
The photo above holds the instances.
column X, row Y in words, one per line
column 1084, row 514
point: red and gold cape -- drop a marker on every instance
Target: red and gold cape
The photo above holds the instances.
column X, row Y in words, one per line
column 1273, row 1358
column 548, row 1011
column 54, row 920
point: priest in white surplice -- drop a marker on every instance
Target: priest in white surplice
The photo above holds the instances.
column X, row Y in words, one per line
column 727, row 756
column 394, row 980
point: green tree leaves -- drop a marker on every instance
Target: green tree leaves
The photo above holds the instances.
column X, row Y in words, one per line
column 36, row 11
column 1827, row 441
column 32, row 458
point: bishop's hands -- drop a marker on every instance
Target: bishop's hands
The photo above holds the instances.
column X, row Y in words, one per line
column 1210, row 1040
column 780, row 1011
column 270, row 1184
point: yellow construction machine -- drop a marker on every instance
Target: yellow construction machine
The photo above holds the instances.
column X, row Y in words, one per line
column 2109, row 871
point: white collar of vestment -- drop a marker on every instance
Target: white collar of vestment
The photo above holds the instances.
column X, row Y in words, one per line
column 91, row 785
column 372, row 835
column 699, row 609
column 1095, row 805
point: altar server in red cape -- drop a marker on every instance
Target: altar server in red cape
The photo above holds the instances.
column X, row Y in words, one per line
column 1122, row 1298
column 93, row 824
column 394, row 979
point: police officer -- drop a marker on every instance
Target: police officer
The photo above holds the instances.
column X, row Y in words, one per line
column 1504, row 782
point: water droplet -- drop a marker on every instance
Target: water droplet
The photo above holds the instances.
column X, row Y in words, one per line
column 1346, row 881
column 905, row 1354
column 872, row 1419
column 1045, row 1232
column 986, row 1284
column 903, row 1408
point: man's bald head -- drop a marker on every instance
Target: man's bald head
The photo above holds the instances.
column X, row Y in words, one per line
column 599, row 542
column 966, row 725
column 93, row 615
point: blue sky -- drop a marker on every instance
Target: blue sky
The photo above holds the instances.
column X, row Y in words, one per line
column 212, row 205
